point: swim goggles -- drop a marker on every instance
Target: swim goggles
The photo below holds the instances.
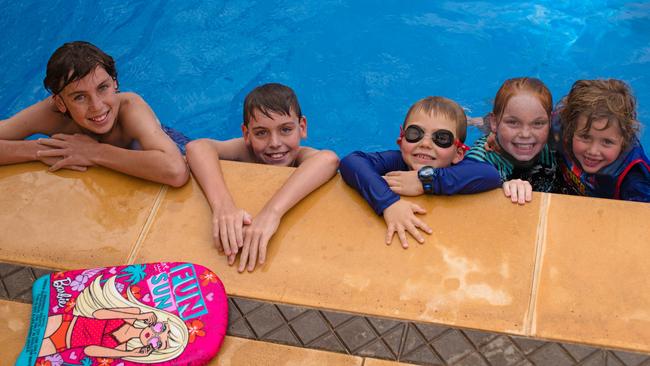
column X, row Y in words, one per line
column 157, row 328
column 442, row 138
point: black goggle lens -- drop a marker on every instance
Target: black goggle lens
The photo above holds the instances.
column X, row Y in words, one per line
column 442, row 138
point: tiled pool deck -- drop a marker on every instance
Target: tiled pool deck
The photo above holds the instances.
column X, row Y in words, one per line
column 562, row 281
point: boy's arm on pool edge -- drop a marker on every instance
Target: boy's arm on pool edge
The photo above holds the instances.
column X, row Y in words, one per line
column 315, row 168
column 37, row 118
column 363, row 172
column 159, row 159
column 203, row 156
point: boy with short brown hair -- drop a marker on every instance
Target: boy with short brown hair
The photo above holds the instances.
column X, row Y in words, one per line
column 272, row 129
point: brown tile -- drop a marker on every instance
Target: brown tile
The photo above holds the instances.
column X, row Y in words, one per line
column 376, row 362
column 14, row 325
column 243, row 352
column 68, row 219
column 595, row 276
column 473, row 271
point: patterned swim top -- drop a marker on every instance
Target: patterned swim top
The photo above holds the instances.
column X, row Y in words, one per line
column 95, row 332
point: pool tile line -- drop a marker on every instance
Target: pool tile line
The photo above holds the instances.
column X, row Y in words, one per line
column 147, row 224
column 375, row 337
column 411, row 342
column 540, row 247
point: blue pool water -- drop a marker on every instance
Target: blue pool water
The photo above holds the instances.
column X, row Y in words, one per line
column 355, row 65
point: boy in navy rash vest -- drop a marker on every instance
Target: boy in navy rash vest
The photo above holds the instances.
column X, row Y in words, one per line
column 430, row 160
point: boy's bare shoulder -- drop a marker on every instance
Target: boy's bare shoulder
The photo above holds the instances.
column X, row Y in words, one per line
column 305, row 153
column 129, row 98
column 234, row 149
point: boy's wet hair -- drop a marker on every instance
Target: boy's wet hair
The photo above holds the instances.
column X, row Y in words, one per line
column 514, row 86
column 611, row 100
column 74, row 60
column 272, row 97
column 443, row 107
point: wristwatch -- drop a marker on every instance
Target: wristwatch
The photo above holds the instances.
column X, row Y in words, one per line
column 426, row 175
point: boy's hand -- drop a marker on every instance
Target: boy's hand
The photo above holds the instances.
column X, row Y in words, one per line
column 53, row 160
column 519, row 191
column 400, row 217
column 256, row 239
column 72, row 150
column 404, row 183
column 227, row 229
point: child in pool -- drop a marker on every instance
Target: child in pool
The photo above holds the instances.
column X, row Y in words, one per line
column 90, row 123
column 272, row 128
column 599, row 152
column 430, row 160
column 517, row 142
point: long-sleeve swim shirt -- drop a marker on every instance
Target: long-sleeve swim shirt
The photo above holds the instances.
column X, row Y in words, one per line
column 364, row 171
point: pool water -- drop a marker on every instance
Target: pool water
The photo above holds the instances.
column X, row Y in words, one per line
column 356, row 65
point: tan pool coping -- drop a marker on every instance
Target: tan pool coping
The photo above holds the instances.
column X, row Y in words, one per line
column 561, row 268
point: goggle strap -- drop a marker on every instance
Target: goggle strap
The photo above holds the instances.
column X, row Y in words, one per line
column 461, row 145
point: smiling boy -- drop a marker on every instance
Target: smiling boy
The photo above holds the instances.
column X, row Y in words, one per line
column 272, row 128
column 90, row 123
column 430, row 160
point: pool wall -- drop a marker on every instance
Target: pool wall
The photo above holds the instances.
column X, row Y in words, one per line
column 561, row 268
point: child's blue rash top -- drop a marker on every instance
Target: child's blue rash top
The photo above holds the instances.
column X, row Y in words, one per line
column 364, row 171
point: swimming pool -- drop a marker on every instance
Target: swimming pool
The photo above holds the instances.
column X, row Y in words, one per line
column 355, row 65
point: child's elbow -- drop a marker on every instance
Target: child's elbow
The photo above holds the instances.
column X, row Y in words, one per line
column 197, row 147
column 178, row 174
column 330, row 160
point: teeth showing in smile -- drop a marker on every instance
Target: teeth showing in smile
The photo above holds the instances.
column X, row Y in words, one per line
column 99, row 119
column 424, row 157
column 277, row 155
column 524, row 147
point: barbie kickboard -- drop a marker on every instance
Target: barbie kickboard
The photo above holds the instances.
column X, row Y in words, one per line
column 167, row 313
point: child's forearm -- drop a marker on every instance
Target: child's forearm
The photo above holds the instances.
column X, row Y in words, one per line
column 363, row 172
column 203, row 159
column 154, row 165
column 465, row 178
column 310, row 175
column 13, row 152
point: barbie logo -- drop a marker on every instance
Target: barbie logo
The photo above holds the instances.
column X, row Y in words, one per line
column 61, row 296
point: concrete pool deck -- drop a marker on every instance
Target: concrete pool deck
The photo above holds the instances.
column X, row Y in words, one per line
column 547, row 283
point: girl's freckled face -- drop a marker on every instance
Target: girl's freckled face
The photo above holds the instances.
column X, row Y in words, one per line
column 522, row 130
column 599, row 146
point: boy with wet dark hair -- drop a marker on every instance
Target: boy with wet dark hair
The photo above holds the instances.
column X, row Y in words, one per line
column 90, row 123
column 272, row 129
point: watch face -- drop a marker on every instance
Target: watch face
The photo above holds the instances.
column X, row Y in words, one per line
column 426, row 172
